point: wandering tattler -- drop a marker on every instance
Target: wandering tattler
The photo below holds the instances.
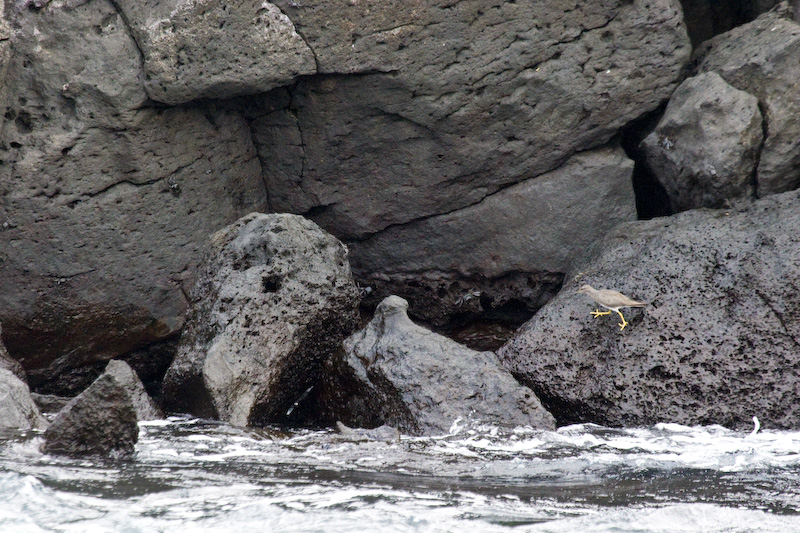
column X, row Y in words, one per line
column 612, row 300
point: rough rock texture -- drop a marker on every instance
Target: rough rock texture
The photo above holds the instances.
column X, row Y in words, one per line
column 274, row 299
column 104, row 201
column 397, row 373
column 426, row 109
column 50, row 403
column 215, row 49
column 718, row 343
column 17, row 408
column 761, row 58
column 99, row 421
column 705, row 148
column 143, row 404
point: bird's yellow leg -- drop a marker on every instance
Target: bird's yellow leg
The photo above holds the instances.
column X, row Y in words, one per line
column 596, row 313
column 623, row 323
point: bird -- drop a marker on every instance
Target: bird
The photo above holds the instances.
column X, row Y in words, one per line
column 612, row 300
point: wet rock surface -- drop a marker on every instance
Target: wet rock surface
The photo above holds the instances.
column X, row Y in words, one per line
column 275, row 298
column 396, row 373
column 17, row 408
column 101, row 421
column 718, row 343
column 705, row 149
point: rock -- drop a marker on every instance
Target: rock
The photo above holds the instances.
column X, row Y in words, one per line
column 99, row 421
column 707, row 18
column 9, row 363
column 17, row 409
column 50, row 403
column 105, row 200
column 440, row 113
column 215, row 49
column 718, row 343
column 397, row 373
column 143, row 404
column 274, row 300
column 502, row 235
column 759, row 58
column 705, row 148
column 382, row 433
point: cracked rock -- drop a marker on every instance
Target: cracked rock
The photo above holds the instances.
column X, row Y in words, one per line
column 717, row 344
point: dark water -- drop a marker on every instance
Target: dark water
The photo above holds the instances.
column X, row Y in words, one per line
column 193, row 475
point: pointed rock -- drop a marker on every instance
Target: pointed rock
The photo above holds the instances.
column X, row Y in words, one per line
column 397, row 373
column 99, row 421
column 146, row 408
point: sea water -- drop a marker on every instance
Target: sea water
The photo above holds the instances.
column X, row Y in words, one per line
column 200, row 476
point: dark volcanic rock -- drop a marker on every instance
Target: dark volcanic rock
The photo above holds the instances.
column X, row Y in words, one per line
column 105, row 200
column 215, row 49
column 99, row 421
column 274, row 300
column 145, row 407
column 17, row 408
column 761, row 58
column 397, row 373
column 718, row 343
column 705, row 148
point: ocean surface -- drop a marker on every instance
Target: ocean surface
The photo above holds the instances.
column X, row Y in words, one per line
column 194, row 475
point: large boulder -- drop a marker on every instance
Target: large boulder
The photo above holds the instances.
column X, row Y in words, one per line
column 215, row 49
column 502, row 235
column 397, row 373
column 718, row 343
column 100, row 421
column 426, row 109
column 105, row 200
column 274, row 299
column 143, row 404
column 705, row 148
column 17, row 408
column 761, row 58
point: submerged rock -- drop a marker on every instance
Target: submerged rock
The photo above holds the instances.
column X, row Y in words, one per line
column 275, row 298
column 397, row 373
column 99, row 421
column 146, row 408
column 718, row 343
column 17, row 408
column 705, row 148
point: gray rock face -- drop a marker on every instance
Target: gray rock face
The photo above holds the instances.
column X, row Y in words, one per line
column 17, row 408
column 215, row 49
column 274, row 300
column 504, row 232
column 397, row 373
column 705, row 148
column 104, row 201
column 718, row 343
column 99, row 421
column 440, row 114
column 760, row 58
column 143, row 404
